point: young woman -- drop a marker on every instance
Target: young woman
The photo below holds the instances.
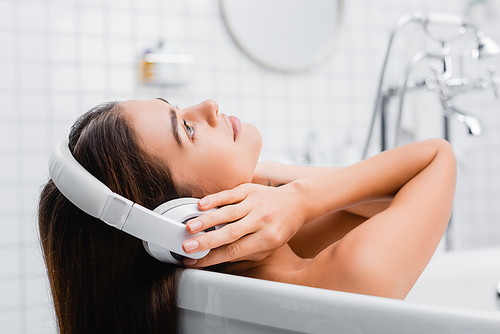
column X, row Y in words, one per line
column 368, row 228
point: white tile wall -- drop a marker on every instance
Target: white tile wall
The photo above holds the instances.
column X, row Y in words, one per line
column 58, row 58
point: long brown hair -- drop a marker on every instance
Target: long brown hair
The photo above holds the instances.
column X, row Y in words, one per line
column 101, row 279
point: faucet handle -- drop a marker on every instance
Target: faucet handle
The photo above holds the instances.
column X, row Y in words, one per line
column 436, row 70
column 495, row 81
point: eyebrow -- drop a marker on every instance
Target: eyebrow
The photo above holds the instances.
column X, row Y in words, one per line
column 175, row 121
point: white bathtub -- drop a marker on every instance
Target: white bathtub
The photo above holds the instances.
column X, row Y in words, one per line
column 218, row 303
column 466, row 280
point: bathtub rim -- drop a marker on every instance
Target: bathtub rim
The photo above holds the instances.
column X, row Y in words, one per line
column 265, row 302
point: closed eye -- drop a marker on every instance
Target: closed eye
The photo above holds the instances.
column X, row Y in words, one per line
column 189, row 129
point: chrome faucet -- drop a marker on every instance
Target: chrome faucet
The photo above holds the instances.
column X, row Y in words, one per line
column 498, row 293
column 444, row 82
column 470, row 121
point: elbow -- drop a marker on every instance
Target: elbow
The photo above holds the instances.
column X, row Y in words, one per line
column 447, row 160
column 445, row 149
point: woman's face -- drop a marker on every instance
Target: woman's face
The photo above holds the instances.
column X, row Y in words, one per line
column 205, row 150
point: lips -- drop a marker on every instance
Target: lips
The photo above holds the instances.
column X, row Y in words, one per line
column 235, row 122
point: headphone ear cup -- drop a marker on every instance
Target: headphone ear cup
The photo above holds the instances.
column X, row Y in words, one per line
column 181, row 210
column 162, row 254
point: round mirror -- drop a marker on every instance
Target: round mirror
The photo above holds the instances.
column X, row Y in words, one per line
column 284, row 35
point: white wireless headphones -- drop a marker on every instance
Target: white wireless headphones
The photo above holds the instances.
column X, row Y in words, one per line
column 163, row 230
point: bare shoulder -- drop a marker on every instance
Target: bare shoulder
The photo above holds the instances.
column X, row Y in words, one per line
column 285, row 266
column 341, row 267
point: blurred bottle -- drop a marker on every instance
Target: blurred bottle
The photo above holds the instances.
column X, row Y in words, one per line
column 166, row 67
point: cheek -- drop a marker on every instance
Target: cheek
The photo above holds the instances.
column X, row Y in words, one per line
column 227, row 170
column 222, row 169
column 215, row 166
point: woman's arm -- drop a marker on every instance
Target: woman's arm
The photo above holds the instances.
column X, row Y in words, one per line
column 312, row 238
column 378, row 177
column 275, row 174
column 385, row 255
column 266, row 218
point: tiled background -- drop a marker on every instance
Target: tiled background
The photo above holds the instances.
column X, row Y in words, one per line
column 58, row 58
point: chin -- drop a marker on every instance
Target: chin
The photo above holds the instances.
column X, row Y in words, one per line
column 253, row 135
column 258, row 146
column 252, row 142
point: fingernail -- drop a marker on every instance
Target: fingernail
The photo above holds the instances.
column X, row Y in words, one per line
column 191, row 245
column 196, row 225
column 203, row 202
column 189, row 262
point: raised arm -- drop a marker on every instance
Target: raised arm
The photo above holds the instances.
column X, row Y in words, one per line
column 268, row 217
column 386, row 254
column 275, row 174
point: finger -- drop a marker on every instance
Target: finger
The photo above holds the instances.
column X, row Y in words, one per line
column 225, row 197
column 226, row 214
column 217, row 238
column 229, row 253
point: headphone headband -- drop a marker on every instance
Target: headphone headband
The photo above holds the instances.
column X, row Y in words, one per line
column 76, row 183
column 93, row 197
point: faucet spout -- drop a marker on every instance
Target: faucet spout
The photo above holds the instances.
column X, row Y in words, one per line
column 470, row 121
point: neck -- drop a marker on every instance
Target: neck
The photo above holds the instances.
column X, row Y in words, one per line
column 283, row 259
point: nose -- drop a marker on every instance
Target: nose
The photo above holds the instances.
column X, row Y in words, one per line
column 208, row 111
